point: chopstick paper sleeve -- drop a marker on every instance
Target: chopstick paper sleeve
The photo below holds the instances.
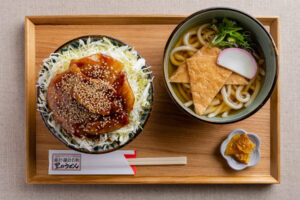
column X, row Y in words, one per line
column 127, row 156
column 69, row 162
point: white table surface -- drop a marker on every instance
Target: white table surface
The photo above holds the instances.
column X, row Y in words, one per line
column 12, row 101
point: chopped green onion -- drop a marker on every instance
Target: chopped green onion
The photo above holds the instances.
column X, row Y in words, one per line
column 218, row 38
column 231, row 39
column 230, row 34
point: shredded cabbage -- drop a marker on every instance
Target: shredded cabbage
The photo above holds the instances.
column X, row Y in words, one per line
column 137, row 75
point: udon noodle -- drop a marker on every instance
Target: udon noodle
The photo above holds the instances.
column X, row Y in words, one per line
column 231, row 97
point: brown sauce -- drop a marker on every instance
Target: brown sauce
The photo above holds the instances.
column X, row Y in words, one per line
column 91, row 98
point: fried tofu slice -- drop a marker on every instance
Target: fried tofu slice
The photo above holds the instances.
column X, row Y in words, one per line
column 236, row 79
column 181, row 74
column 206, row 79
column 207, row 50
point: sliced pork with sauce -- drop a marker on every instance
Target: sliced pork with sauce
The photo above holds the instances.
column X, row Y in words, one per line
column 91, row 98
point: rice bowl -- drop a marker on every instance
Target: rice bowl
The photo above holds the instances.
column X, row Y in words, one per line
column 139, row 77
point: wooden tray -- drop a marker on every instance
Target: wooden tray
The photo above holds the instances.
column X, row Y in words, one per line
column 169, row 131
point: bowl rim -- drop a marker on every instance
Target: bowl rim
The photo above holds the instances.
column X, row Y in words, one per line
column 139, row 130
column 194, row 115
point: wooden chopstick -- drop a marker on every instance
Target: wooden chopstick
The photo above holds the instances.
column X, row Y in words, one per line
column 158, row 161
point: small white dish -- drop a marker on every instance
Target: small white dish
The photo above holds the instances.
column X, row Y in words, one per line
column 255, row 154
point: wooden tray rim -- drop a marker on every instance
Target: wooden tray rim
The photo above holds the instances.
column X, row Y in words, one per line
column 33, row 178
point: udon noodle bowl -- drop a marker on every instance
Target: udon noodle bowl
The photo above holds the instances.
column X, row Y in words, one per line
column 232, row 97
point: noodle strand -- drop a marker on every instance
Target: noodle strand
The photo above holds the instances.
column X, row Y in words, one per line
column 186, row 38
column 199, row 32
column 240, row 97
column 180, row 48
column 228, row 101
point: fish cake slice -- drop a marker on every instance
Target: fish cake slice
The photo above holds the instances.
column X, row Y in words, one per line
column 206, row 79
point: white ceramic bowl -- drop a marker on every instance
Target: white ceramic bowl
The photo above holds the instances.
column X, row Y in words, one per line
column 255, row 154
